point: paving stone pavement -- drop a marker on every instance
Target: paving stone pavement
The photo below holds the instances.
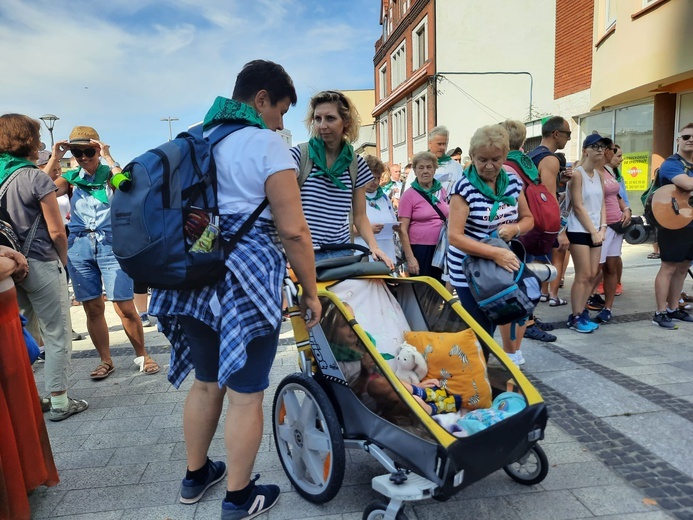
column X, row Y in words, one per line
column 619, row 439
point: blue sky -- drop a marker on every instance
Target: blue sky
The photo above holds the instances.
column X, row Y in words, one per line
column 122, row 65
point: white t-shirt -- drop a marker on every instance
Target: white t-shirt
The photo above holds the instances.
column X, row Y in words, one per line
column 245, row 160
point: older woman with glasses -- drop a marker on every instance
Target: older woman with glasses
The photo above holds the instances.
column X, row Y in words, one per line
column 423, row 211
column 335, row 184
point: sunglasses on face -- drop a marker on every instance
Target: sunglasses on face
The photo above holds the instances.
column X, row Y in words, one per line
column 567, row 133
column 686, row 137
column 597, row 147
column 77, row 153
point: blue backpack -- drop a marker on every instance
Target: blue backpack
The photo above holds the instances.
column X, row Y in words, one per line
column 503, row 296
column 170, row 185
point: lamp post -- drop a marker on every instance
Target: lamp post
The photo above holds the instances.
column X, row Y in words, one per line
column 169, row 119
column 49, row 120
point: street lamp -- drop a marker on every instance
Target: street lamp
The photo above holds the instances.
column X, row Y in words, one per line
column 169, row 119
column 49, row 120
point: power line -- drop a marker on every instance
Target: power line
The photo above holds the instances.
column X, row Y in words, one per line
column 474, row 100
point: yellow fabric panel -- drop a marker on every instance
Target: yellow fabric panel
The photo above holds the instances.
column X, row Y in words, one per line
column 456, row 359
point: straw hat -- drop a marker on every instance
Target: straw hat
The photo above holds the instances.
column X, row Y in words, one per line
column 82, row 135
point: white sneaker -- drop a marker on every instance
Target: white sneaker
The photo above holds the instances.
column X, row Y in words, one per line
column 520, row 357
column 514, row 358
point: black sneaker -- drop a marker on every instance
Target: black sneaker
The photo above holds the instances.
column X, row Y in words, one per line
column 261, row 499
column 595, row 303
column 191, row 491
column 680, row 314
column 664, row 321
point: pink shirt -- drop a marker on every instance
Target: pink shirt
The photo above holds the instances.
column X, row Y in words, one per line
column 611, row 189
column 425, row 223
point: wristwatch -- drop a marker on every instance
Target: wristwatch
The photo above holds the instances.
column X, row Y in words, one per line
column 116, row 165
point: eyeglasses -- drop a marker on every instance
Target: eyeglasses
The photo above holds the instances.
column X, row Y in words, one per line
column 686, row 137
column 567, row 133
column 597, row 147
column 77, row 152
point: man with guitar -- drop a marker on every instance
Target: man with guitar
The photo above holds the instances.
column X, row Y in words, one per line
column 675, row 245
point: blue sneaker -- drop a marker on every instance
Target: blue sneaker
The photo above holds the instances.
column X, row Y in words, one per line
column 261, row 499
column 580, row 324
column 604, row 316
column 586, row 316
column 191, row 491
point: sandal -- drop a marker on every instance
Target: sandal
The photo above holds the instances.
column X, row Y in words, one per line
column 557, row 302
column 546, row 327
column 653, row 256
column 534, row 332
column 147, row 364
column 544, row 298
column 102, row 371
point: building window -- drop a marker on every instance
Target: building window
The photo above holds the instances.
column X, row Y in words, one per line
column 419, row 116
column 382, row 82
column 383, row 133
column 420, row 44
column 610, row 12
column 399, row 65
column 399, row 126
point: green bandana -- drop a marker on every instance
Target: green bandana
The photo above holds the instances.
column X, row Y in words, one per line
column 527, row 165
column 316, row 152
column 502, row 182
column 378, row 193
column 444, row 159
column 429, row 193
column 617, row 174
column 226, row 110
column 9, row 164
column 95, row 188
column 387, row 186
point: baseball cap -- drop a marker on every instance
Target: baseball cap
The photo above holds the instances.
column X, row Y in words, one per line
column 592, row 139
column 43, row 157
column 81, row 135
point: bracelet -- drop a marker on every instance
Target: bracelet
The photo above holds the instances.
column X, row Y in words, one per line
column 518, row 230
column 603, row 226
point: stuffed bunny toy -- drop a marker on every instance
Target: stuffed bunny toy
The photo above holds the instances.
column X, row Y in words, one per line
column 411, row 365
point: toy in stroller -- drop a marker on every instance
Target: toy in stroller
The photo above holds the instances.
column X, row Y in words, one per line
column 348, row 396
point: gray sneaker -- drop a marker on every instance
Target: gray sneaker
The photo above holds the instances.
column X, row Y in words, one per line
column 73, row 406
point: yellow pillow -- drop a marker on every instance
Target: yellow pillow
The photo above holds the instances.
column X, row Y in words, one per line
column 457, row 360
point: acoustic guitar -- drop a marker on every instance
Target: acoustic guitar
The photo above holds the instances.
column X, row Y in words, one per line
column 672, row 207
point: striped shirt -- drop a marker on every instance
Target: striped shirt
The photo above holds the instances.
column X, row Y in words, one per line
column 327, row 207
column 478, row 225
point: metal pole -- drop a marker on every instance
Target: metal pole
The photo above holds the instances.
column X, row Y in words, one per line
column 170, row 130
column 49, row 120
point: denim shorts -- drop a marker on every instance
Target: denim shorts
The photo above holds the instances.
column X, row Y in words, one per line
column 204, row 352
column 90, row 261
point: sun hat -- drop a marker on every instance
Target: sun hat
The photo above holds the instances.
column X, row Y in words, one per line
column 82, row 135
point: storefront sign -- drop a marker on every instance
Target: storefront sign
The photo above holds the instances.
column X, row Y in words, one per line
column 636, row 170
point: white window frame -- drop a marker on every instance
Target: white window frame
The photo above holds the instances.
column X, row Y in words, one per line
column 399, row 125
column 398, row 68
column 608, row 22
column 419, row 110
column 418, row 45
column 382, row 78
column 383, row 127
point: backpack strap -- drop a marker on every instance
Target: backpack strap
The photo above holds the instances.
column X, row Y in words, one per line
column 525, row 178
column 423, row 196
column 34, row 227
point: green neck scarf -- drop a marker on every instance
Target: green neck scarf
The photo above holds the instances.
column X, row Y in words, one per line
column 429, row 193
column 444, row 159
column 10, row 164
column 97, row 187
column 316, row 152
column 527, row 165
column 371, row 200
column 388, row 185
column 502, row 182
column 226, row 110
column 617, row 173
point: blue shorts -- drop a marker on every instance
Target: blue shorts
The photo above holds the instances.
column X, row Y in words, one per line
column 89, row 262
column 204, row 352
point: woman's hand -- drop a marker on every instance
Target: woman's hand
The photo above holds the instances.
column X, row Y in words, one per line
column 377, row 228
column 508, row 231
column 413, row 266
column 22, row 269
column 597, row 237
column 60, row 149
column 312, row 304
column 506, row 259
column 626, row 216
column 379, row 255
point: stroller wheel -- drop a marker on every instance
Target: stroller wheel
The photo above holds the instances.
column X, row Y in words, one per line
column 377, row 510
column 308, row 437
column 531, row 468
